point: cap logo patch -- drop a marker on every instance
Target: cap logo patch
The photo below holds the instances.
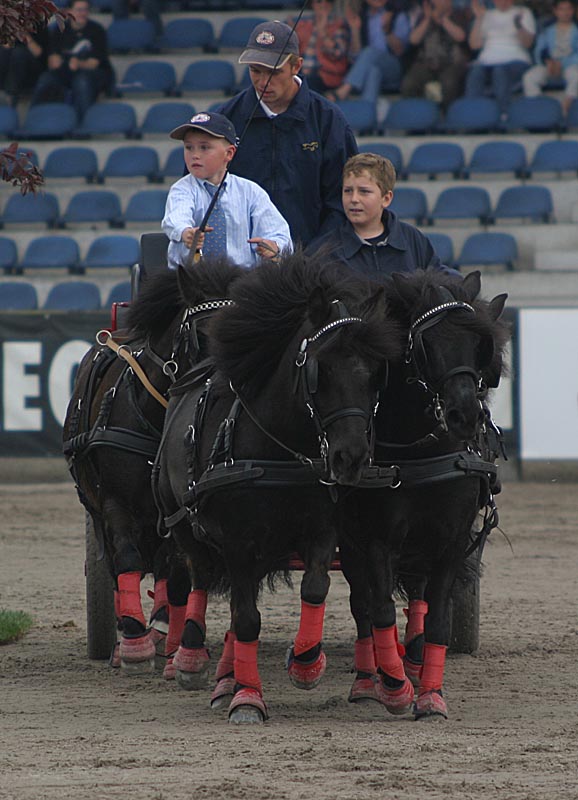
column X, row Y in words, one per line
column 201, row 118
column 265, row 37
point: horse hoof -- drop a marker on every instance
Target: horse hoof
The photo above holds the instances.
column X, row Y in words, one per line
column 191, row 667
column 430, row 705
column 137, row 655
column 170, row 671
column 397, row 701
column 223, row 693
column 136, row 668
column 247, row 708
column 364, row 689
column 306, row 676
column 413, row 671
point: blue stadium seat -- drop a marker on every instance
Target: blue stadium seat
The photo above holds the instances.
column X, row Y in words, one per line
column 31, row 208
column 489, row 248
column 72, row 162
column 360, row 114
column 148, row 76
column 415, row 114
column 558, row 155
column 462, row 202
column 245, row 80
column 120, row 293
column 188, row 33
column 471, row 115
column 163, row 117
column 236, row 31
column 18, row 296
column 390, row 151
column 534, row 114
column 410, row 203
column 8, row 255
column 208, row 75
column 532, row 203
column 131, row 162
column 51, row 252
column 97, row 206
column 175, row 164
column 572, row 115
column 8, row 121
column 48, row 121
column 73, row 296
column 103, row 119
column 112, row 251
column 444, row 247
column 124, row 35
column 498, row 156
column 146, row 206
column 434, row 158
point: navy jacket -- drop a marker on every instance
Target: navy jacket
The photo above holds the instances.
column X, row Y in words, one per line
column 297, row 157
column 407, row 249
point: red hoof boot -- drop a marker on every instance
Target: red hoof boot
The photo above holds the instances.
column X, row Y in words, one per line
column 396, row 701
column 137, row 654
column 191, row 665
column 413, row 670
column 306, row 676
column 170, row 671
column 430, row 704
column 223, row 692
column 247, row 708
column 364, row 689
column 114, row 660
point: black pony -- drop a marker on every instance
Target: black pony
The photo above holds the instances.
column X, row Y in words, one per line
column 250, row 461
column 434, row 426
column 111, row 434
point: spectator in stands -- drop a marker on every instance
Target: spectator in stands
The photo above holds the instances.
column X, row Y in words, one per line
column 149, row 8
column 77, row 61
column 324, row 43
column 503, row 35
column 556, row 55
column 380, row 35
column 294, row 142
column 439, row 51
column 373, row 240
column 244, row 224
column 21, row 65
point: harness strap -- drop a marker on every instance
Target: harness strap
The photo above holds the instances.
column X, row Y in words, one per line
column 123, row 352
column 420, row 472
column 120, row 438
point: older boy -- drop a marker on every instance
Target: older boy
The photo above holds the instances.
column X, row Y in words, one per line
column 244, row 223
column 373, row 240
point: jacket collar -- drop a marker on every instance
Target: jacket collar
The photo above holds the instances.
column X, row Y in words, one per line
column 298, row 108
column 396, row 237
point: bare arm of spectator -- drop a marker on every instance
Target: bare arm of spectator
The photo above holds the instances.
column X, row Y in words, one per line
column 420, row 30
column 476, row 38
column 354, row 21
column 456, row 31
column 395, row 44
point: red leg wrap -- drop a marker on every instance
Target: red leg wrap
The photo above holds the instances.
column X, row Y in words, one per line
column 176, row 626
column 388, row 652
column 432, row 673
column 129, row 595
column 160, row 599
column 365, row 656
column 415, row 619
column 246, row 671
column 226, row 662
column 197, row 607
column 310, row 627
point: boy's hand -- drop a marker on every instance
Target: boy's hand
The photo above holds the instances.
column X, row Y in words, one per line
column 189, row 234
column 265, row 247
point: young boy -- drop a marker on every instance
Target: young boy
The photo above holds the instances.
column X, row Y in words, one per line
column 244, row 223
column 373, row 240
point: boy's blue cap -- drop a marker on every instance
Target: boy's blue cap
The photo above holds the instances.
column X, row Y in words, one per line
column 209, row 121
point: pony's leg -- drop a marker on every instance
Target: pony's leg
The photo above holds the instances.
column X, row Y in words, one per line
column 159, row 616
column 247, row 706
column 191, row 661
column 178, row 589
column 225, row 673
column 414, row 629
column 137, row 649
column 306, row 662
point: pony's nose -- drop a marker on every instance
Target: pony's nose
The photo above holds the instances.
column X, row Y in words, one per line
column 462, row 423
column 347, row 464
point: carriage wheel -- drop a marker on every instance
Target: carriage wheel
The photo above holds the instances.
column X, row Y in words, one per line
column 465, row 616
column 100, row 616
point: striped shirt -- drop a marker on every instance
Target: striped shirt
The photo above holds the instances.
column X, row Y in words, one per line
column 248, row 209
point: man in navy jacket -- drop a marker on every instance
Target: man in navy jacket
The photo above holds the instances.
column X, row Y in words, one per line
column 294, row 142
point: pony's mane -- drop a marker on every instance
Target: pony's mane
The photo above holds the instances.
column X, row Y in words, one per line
column 271, row 304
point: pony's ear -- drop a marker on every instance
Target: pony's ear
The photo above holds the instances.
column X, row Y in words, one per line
column 319, row 306
column 472, row 284
column 496, row 306
column 407, row 293
column 376, row 304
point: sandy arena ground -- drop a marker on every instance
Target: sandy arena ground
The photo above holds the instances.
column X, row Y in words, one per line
column 71, row 729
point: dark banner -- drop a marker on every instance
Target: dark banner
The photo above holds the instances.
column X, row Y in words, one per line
column 40, row 353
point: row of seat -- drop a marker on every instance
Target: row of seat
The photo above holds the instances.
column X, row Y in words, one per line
column 66, row 296
column 63, row 252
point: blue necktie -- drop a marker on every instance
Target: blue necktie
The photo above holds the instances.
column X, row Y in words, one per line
column 216, row 240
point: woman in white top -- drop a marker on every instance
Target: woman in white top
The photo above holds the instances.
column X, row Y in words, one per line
column 503, row 35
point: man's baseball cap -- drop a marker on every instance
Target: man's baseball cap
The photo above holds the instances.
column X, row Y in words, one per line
column 270, row 45
column 210, row 122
